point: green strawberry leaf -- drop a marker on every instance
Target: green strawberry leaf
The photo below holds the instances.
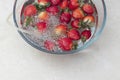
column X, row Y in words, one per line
column 28, row 21
column 39, row 7
column 75, row 46
column 66, row 10
column 48, row 4
column 90, row 1
column 85, row 24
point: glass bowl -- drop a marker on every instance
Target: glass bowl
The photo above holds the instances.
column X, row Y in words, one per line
column 101, row 10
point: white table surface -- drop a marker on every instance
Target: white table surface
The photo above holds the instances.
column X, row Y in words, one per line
column 20, row 61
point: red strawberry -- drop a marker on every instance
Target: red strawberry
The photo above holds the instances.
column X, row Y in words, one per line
column 64, row 4
column 41, row 26
column 52, row 9
column 65, row 17
column 78, row 13
column 74, row 1
column 73, row 4
column 49, row 45
column 75, row 24
column 88, row 8
column 30, row 10
column 65, row 44
column 74, row 34
column 43, row 2
column 89, row 19
column 55, row 2
column 61, row 29
column 85, row 35
column 43, row 15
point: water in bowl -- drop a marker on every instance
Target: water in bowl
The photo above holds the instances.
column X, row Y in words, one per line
column 39, row 38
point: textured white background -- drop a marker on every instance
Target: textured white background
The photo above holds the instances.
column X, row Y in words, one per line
column 101, row 61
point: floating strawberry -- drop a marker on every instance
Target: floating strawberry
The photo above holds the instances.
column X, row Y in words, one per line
column 87, row 22
column 55, row 2
column 64, row 4
column 43, row 15
column 78, row 13
column 73, row 4
column 65, row 44
column 89, row 19
column 74, row 34
column 85, row 35
column 52, row 9
column 49, row 45
column 88, row 8
column 74, row 1
column 41, row 26
column 65, row 17
column 30, row 10
column 61, row 29
column 43, row 2
column 75, row 24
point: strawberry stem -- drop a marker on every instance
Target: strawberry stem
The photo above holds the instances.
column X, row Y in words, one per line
column 66, row 10
column 75, row 45
column 83, row 38
column 90, row 1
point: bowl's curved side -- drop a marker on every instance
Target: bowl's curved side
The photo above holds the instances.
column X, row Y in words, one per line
column 22, row 34
column 97, row 35
column 70, row 52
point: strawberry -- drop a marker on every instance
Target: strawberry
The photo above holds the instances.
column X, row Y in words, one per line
column 30, row 10
column 85, row 35
column 88, row 8
column 75, row 24
column 43, row 2
column 65, row 17
column 41, row 26
column 74, row 1
column 43, row 15
column 61, row 29
column 52, row 9
column 78, row 14
column 73, row 4
column 89, row 19
column 65, row 44
column 64, row 4
column 74, row 34
column 55, row 2
column 49, row 45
